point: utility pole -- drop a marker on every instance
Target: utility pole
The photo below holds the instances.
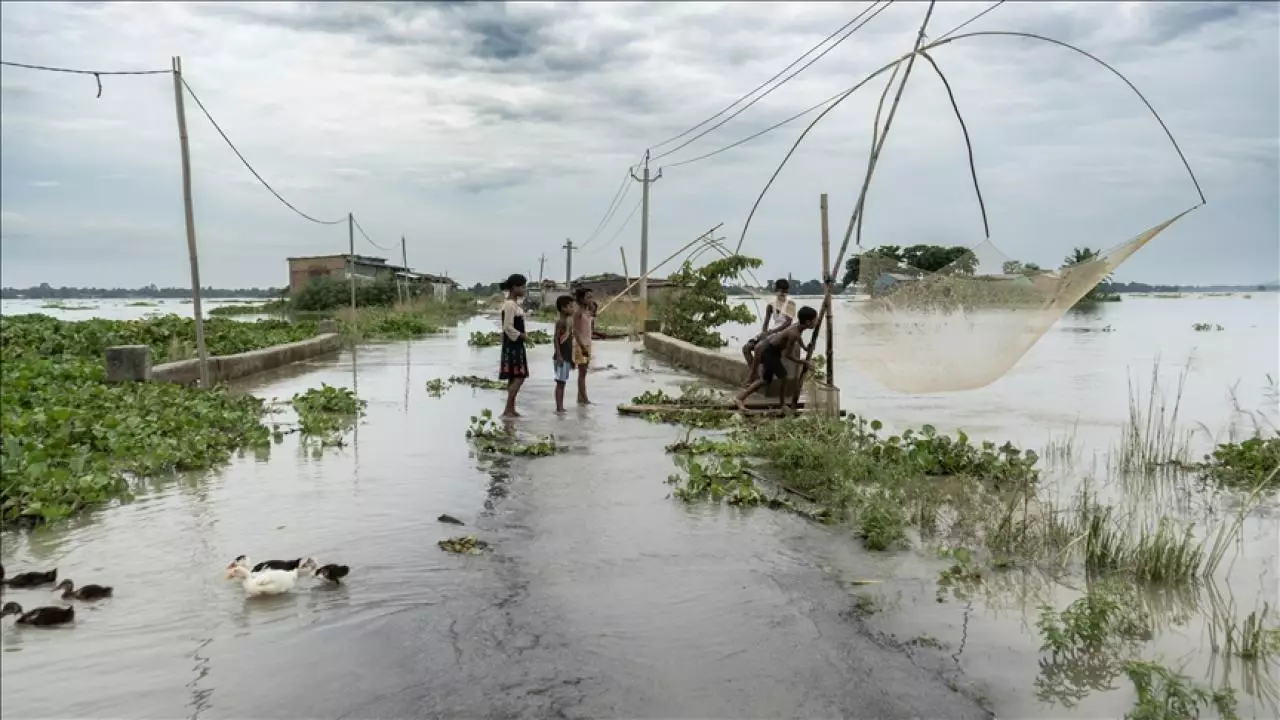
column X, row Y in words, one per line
column 542, row 261
column 568, row 262
column 644, row 235
column 202, row 352
column 351, row 262
column 404, row 261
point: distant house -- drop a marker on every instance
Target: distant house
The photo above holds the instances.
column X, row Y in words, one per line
column 365, row 268
column 888, row 281
column 610, row 284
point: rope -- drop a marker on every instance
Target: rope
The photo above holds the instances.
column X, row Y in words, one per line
column 246, row 162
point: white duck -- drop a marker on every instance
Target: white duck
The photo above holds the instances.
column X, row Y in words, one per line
column 268, row 582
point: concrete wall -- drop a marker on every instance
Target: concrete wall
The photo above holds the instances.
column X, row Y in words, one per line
column 715, row 364
column 231, row 367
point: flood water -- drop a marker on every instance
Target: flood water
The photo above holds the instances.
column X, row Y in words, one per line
column 603, row 597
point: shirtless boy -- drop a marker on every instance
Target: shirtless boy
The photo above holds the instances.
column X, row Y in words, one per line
column 772, row 350
column 778, row 316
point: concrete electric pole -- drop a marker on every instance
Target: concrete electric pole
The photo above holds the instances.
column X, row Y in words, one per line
column 644, row 235
column 568, row 261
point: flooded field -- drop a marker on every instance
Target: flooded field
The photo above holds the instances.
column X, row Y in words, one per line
column 118, row 308
column 605, row 598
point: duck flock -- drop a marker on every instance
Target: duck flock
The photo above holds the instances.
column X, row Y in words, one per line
column 269, row 577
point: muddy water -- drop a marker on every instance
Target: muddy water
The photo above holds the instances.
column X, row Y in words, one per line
column 602, row 597
column 117, row 308
column 1069, row 398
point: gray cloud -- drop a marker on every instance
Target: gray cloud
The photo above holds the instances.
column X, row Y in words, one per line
column 488, row 132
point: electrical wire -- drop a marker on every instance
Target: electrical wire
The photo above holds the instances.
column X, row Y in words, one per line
column 618, row 196
column 621, row 227
column 820, row 105
column 763, row 84
column 784, row 81
column 366, row 235
column 74, row 71
column 232, row 145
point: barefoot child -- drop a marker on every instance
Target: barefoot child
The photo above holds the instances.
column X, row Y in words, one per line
column 778, row 316
column 564, row 347
column 514, row 367
column 583, row 325
column 773, row 348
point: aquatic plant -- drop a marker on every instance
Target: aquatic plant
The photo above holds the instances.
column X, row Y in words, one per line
column 1246, row 465
column 1206, row 327
column 1166, row 695
column 266, row 308
column 1086, row 645
column 489, row 437
column 715, row 479
column 463, row 545
column 707, row 446
column 437, row 387
column 1249, row 639
column 494, row 338
column 71, row 440
column 478, row 382
column 326, row 412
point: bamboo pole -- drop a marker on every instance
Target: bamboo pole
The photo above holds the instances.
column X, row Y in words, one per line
column 826, row 303
column 668, row 259
column 202, row 350
column 829, row 281
column 626, row 277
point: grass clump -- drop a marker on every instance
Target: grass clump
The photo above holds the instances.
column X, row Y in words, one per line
column 1166, row 695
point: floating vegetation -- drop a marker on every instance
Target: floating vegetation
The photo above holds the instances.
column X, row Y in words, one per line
column 1207, row 327
column 144, row 303
column 705, row 418
column 481, row 383
column 72, row 440
column 437, row 387
column 708, row 446
column 267, row 308
column 715, row 479
column 1166, row 695
column 1248, row 465
column 326, row 413
column 494, row 338
column 489, row 436
column 464, row 545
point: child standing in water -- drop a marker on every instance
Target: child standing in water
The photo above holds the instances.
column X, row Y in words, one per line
column 514, row 367
column 583, row 330
column 564, row 347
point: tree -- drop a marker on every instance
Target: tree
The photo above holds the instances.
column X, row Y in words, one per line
column 696, row 301
column 1081, row 256
column 926, row 258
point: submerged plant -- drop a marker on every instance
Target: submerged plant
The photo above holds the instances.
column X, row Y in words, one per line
column 1166, row 695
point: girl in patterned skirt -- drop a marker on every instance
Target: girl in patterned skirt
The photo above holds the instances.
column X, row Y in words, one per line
column 514, row 367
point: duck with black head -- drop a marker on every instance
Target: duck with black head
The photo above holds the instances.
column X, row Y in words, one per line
column 49, row 615
column 28, row 579
column 84, row 592
column 266, row 564
column 332, row 572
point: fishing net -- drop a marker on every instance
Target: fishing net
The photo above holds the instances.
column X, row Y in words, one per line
column 969, row 323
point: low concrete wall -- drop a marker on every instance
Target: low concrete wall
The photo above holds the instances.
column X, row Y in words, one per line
column 231, row 367
column 717, row 365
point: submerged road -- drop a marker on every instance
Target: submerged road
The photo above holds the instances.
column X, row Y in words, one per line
column 602, row 596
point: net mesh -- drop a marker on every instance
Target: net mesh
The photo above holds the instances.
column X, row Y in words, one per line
column 966, row 325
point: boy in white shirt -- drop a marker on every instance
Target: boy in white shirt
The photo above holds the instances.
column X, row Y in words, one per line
column 778, row 316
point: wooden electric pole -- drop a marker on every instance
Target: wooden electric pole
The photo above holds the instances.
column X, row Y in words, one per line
column 351, row 262
column 644, row 234
column 202, row 352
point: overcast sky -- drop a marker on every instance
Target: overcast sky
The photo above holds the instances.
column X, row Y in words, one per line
column 488, row 133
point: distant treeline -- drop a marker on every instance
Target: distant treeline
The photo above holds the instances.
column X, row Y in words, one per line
column 1137, row 287
column 45, row 291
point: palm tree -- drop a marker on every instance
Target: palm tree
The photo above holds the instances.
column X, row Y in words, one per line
column 1083, row 255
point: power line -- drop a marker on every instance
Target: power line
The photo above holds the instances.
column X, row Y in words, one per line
column 621, row 227
column 784, row 81
column 618, row 195
column 761, row 85
column 822, row 104
column 250, row 167
column 366, row 235
column 84, row 72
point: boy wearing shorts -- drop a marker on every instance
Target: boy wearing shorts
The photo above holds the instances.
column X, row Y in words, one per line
column 773, row 348
column 583, row 327
column 563, row 361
